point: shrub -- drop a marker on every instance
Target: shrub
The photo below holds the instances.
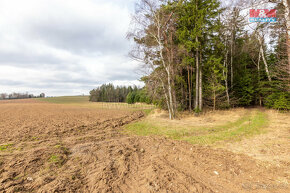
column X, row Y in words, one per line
column 279, row 100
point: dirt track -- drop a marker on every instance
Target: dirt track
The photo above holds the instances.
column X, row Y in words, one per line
column 56, row 148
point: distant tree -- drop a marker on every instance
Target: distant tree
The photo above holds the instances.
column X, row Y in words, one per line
column 130, row 98
column 3, row 96
column 110, row 93
column 15, row 95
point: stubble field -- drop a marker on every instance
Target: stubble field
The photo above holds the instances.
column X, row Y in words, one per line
column 46, row 147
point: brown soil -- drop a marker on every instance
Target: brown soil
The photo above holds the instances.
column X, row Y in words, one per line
column 57, row 148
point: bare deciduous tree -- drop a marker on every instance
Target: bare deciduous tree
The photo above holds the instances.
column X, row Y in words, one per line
column 153, row 34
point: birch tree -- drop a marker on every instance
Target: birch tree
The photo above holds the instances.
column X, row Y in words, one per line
column 153, row 34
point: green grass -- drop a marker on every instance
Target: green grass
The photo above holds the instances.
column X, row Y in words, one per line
column 5, row 147
column 246, row 126
column 148, row 111
column 66, row 99
column 83, row 101
column 55, row 159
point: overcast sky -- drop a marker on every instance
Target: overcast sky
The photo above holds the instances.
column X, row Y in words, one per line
column 64, row 47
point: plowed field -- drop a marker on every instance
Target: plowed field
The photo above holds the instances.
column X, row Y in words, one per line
column 60, row 148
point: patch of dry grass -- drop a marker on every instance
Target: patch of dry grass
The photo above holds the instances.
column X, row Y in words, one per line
column 272, row 146
column 206, row 129
column 208, row 119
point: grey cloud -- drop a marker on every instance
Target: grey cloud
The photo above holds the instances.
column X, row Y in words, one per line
column 11, row 83
column 38, row 42
column 80, row 36
column 22, row 58
column 31, row 59
column 65, row 81
column 122, row 75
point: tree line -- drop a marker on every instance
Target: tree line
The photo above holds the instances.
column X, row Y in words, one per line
column 138, row 96
column 111, row 93
column 198, row 53
column 5, row 96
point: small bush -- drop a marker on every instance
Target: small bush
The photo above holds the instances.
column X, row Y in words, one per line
column 280, row 101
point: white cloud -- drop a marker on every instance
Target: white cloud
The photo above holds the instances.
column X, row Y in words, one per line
column 63, row 47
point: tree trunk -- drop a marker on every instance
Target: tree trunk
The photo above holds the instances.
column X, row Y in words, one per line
column 286, row 4
column 258, row 66
column 259, row 77
column 263, row 57
column 265, row 62
column 182, row 94
column 214, row 99
column 198, row 97
column 236, row 13
column 166, row 98
column 170, row 96
column 174, row 98
column 191, row 83
column 173, row 73
column 226, row 78
column 232, row 70
column 196, row 80
column 288, row 50
column 200, row 84
column 189, row 89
